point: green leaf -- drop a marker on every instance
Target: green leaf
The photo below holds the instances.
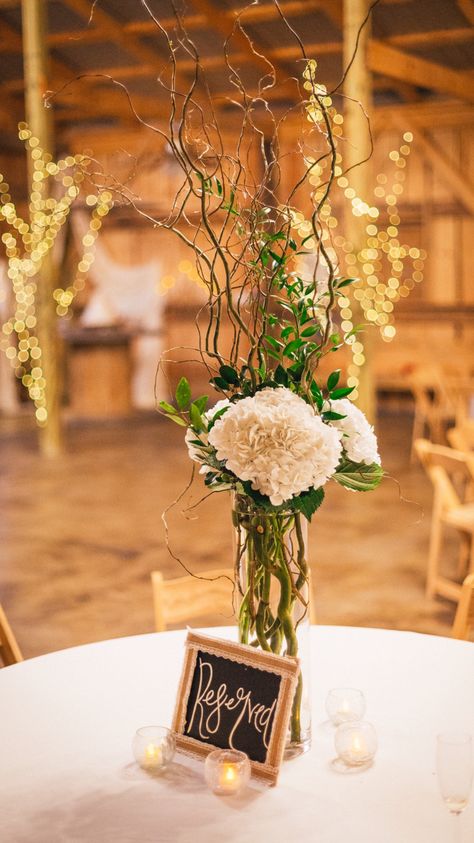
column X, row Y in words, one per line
column 308, row 502
column 290, row 307
column 229, row 374
column 333, row 379
column 277, row 258
column 219, row 187
column 331, row 416
column 196, row 418
column 201, row 403
column 281, row 376
column 276, row 344
column 183, row 394
column 356, row 330
column 317, row 395
column 214, row 418
column 308, row 332
column 296, row 370
column 177, row 420
column 168, row 408
column 272, row 353
column 341, row 393
column 220, row 383
column 287, row 331
column 280, row 235
column 345, row 283
column 292, row 346
column 358, row 476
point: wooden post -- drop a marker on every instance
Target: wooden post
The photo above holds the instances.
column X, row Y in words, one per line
column 40, row 122
column 358, row 92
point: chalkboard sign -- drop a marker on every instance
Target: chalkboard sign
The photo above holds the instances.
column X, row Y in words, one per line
column 234, row 696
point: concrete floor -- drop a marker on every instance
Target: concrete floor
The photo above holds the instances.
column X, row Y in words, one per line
column 79, row 535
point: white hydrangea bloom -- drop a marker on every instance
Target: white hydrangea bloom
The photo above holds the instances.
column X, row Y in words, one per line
column 358, row 437
column 276, row 441
column 199, row 453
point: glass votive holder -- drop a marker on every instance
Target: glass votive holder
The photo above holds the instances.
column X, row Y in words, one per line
column 345, row 704
column 153, row 748
column 356, row 743
column 226, row 771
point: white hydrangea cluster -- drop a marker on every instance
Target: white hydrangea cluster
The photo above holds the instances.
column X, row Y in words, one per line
column 276, row 441
column 358, row 437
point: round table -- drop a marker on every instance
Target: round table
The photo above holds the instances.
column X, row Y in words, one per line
column 67, row 773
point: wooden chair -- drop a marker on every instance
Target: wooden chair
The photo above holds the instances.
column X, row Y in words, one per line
column 179, row 600
column 448, row 469
column 10, row 652
column 461, row 437
column 464, row 619
column 434, row 409
column 460, row 391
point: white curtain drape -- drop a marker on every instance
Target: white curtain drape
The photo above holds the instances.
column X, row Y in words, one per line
column 127, row 296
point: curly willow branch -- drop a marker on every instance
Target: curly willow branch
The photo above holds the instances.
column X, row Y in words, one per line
column 235, row 197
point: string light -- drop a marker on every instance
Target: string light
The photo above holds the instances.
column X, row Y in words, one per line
column 380, row 265
column 27, row 244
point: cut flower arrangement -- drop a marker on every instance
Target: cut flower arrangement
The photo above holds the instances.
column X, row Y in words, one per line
column 274, row 441
column 279, row 433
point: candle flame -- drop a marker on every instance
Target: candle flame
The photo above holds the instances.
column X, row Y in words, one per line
column 230, row 773
column 357, row 744
column 152, row 752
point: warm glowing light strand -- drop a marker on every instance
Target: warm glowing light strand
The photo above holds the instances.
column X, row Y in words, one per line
column 380, row 265
column 26, row 246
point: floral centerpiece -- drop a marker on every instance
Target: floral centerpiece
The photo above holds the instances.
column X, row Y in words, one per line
column 255, row 213
column 275, row 441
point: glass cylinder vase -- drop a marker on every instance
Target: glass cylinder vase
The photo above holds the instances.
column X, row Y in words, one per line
column 272, row 575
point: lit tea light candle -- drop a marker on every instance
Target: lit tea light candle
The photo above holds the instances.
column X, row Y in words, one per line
column 153, row 748
column 227, row 771
column 153, row 756
column 229, row 779
column 356, row 743
column 344, row 705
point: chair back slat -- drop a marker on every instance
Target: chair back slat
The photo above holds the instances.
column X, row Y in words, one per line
column 10, row 652
column 446, row 468
column 461, row 437
column 464, row 619
column 188, row 597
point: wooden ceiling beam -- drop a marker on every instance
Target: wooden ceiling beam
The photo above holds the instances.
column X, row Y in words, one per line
column 467, row 8
column 432, row 37
column 221, row 24
column 425, row 114
column 442, row 165
column 109, row 26
column 396, row 64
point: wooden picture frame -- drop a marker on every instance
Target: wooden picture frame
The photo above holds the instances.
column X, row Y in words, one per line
column 235, row 696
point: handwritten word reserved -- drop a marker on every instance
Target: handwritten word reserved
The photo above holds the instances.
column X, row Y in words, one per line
column 211, row 702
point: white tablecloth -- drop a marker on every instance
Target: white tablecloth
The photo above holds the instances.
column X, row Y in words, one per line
column 67, row 773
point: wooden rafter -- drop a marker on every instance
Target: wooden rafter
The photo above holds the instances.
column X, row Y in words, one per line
column 467, row 8
column 442, row 164
column 221, row 24
column 107, row 25
column 425, row 114
column 397, row 64
column 432, row 37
